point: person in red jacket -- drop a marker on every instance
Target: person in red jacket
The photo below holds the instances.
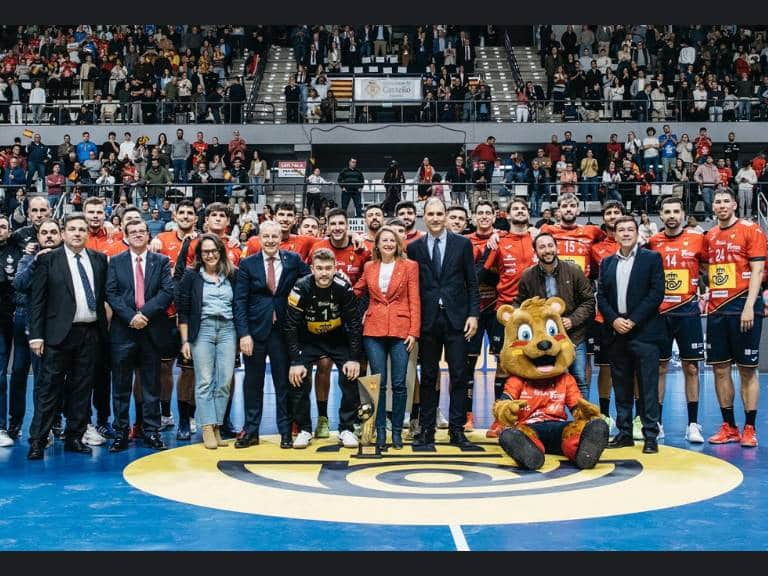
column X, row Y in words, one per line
column 486, row 152
column 391, row 325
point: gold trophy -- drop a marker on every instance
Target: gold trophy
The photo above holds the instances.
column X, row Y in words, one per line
column 369, row 398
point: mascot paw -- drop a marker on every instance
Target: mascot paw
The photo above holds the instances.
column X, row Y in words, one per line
column 522, row 449
column 585, row 410
column 505, row 411
column 593, row 440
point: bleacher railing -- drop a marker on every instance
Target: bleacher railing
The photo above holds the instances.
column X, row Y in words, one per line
column 592, row 194
column 512, row 59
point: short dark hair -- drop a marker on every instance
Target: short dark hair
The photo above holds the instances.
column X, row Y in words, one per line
column 623, row 219
column 372, row 207
column 71, row 217
column 323, row 254
column 541, row 235
column 725, row 190
column 336, row 212
column 613, row 204
column 405, row 204
column 183, row 203
column 458, row 207
column 484, row 202
column 285, row 207
column 94, row 200
column 396, row 222
column 672, row 200
column 519, row 200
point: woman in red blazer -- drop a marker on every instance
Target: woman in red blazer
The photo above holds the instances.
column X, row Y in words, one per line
column 392, row 323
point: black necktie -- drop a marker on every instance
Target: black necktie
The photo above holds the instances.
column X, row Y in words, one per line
column 89, row 297
column 436, row 260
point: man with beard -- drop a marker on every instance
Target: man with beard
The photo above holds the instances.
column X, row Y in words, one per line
column 310, row 226
column 349, row 262
column 502, row 267
column 736, row 251
column 555, row 277
column 682, row 251
column 406, row 211
column 374, row 218
column 176, row 244
column 612, row 210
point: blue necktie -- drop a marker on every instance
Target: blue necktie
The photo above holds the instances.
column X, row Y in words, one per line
column 436, row 260
column 89, row 297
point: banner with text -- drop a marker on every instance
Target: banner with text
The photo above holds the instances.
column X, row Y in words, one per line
column 291, row 169
column 371, row 89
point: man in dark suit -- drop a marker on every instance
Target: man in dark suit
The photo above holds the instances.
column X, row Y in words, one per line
column 450, row 307
column 465, row 56
column 139, row 290
column 264, row 281
column 67, row 324
column 631, row 289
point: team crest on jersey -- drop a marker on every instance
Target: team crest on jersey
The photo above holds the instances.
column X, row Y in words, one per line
column 293, row 299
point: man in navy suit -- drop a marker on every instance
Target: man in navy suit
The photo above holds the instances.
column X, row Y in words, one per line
column 630, row 291
column 450, row 307
column 261, row 295
column 139, row 290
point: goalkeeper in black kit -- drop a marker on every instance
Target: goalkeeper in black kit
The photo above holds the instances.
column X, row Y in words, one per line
column 323, row 320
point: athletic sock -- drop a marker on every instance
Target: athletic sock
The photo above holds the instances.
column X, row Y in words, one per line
column 139, row 413
column 605, row 406
column 728, row 417
column 693, row 412
column 165, row 408
column 751, row 416
column 415, row 411
column 661, row 409
column 637, row 406
column 468, row 399
column 322, row 408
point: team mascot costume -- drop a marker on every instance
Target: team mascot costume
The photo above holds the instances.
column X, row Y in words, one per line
column 537, row 353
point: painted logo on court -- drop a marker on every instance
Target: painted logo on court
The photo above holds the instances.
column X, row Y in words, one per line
column 327, row 482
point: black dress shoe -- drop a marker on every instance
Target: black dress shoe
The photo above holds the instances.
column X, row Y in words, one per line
column 424, row 442
column 650, row 446
column 76, row 445
column 458, row 438
column 621, row 441
column 119, row 444
column 36, row 451
column 286, row 441
column 248, row 440
column 154, row 441
column 228, row 431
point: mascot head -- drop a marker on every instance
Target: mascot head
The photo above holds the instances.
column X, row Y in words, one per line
column 536, row 346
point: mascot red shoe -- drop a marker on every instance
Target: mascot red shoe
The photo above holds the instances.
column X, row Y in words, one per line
column 536, row 354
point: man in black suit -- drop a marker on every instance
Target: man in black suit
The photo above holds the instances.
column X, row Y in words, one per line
column 67, row 324
column 631, row 289
column 139, row 290
column 465, row 56
column 264, row 281
column 450, row 307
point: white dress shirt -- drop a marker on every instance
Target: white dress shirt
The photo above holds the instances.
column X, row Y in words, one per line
column 623, row 272
column 82, row 313
column 385, row 275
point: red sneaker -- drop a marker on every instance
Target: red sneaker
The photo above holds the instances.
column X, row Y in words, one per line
column 294, row 429
column 135, row 432
column 725, row 435
column 494, row 430
column 470, row 425
column 748, row 437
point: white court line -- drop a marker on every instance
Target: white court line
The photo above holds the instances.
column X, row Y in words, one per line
column 458, row 538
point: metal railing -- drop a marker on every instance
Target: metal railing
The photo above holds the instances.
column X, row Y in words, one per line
column 318, row 197
column 512, row 59
column 114, row 112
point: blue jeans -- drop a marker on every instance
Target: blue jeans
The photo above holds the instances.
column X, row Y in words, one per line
column 744, row 109
column 256, row 187
column 706, row 195
column 667, row 164
column 213, row 353
column 536, row 193
column 377, row 350
column 179, row 170
column 579, row 368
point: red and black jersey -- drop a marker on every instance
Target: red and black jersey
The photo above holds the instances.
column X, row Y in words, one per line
column 574, row 244
column 349, row 260
column 487, row 291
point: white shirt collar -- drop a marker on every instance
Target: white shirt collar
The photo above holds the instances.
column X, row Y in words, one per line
column 632, row 253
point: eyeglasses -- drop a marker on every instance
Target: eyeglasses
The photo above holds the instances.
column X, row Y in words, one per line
column 210, row 252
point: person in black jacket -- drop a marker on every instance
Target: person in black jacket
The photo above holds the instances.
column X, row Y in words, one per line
column 351, row 181
column 323, row 320
column 205, row 305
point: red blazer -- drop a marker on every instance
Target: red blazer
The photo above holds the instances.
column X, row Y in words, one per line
column 398, row 312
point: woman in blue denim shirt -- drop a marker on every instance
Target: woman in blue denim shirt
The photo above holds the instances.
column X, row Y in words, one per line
column 205, row 307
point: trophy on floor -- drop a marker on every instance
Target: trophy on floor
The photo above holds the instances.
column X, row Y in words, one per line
column 369, row 398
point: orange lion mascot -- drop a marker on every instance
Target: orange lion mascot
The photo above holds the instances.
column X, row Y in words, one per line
column 536, row 354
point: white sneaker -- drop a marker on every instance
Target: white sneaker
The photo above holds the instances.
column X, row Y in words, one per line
column 92, row 436
column 5, row 440
column 302, row 440
column 637, row 429
column 389, row 425
column 167, row 422
column 357, row 429
column 660, row 435
column 192, row 426
column 693, row 433
column 442, row 423
column 611, row 425
column 348, row 439
column 414, row 428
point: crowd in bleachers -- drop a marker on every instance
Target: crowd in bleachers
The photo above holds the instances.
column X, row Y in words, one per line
column 126, row 73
